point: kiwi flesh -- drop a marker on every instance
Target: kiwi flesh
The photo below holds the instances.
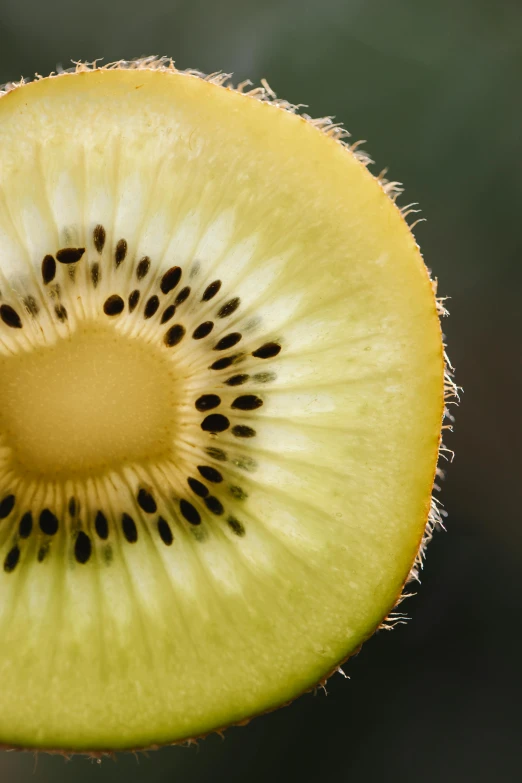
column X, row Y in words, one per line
column 221, row 395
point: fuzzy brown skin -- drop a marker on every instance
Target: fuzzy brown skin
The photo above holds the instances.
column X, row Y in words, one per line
column 450, row 390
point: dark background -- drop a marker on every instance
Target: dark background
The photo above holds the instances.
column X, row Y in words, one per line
column 434, row 86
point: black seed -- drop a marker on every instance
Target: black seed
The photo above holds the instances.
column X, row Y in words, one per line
column 10, row 317
column 228, row 341
column 48, row 522
column 247, row 402
column 113, row 305
column 48, row 269
column 70, row 255
column 72, row 507
column 236, row 526
column 197, row 487
column 214, row 505
column 190, row 513
column 101, row 525
column 120, row 252
column 165, row 531
column 183, row 295
column 129, row 528
column 218, row 454
column 267, row 351
column 211, row 290
column 222, row 364
column 237, row 380
column 207, row 401
column 42, row 552
column 229, row 307
column 238, row 493
column 215, row 423
column 151, row 307
column 170, row 279
column 82, row 547
column 168, row 313
column 6, row 506
column 95, row 274
column 147, row 502
column 11, row 559
column 242, row 431
column 31, row 305
column 210, row 474
column 61, row 312
column 134, row 298
column 99, row 237
column 143, row 267
column 174, row 335
column 264, row 377
column 26, row 525
column 202, row 330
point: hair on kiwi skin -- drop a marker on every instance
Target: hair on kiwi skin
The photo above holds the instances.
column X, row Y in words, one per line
column 153, row 302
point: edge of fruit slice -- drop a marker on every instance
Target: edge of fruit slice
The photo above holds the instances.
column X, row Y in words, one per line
column 431, row 514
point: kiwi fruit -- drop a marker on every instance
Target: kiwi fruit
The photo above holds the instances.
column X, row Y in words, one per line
column 222, row 386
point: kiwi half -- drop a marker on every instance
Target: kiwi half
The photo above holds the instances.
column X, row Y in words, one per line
column 221, row 396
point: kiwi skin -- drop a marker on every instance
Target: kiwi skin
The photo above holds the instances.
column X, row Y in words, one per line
column 433, row 513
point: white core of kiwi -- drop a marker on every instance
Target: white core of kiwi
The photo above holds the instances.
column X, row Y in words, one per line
column 221, row 394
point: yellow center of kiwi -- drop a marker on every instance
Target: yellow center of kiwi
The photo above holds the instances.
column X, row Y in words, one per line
column 87, row 404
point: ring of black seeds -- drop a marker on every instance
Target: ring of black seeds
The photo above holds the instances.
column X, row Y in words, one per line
column 48, row 523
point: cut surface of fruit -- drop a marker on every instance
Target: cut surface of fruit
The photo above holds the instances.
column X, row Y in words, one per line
column 221, row 394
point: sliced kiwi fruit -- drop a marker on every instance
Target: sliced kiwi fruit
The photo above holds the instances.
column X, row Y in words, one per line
column 221, row 396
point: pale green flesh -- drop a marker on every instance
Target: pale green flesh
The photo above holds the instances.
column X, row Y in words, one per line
column 157, row 643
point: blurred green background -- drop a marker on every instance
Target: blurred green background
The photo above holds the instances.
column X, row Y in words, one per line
column 435, row 89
